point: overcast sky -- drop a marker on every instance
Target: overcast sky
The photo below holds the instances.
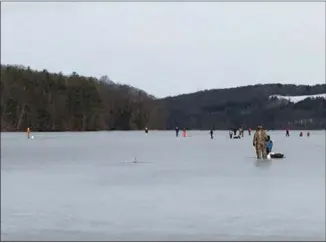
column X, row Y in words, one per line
column 169, row 48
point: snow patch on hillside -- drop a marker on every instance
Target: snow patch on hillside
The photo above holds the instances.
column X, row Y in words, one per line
column 296, row 99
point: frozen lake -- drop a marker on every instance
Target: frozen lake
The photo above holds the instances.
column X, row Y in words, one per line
column 85, row 187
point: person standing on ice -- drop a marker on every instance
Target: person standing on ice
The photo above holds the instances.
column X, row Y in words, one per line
column 211, row 133
column 259, row 142
column 177, row 131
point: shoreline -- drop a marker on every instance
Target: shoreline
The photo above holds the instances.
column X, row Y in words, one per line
column 154, row 130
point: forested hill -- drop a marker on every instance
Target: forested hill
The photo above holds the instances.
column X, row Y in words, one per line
column 56, row 102
column 248, row 106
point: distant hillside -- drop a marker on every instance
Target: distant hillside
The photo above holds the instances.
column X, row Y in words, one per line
column 248, row 106
column 56, row 102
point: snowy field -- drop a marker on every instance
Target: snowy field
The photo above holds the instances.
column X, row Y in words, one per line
column 296, row 99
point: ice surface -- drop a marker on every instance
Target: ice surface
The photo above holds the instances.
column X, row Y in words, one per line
column 86, row 186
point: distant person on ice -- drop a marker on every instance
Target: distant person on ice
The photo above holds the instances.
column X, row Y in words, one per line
column 211, row 133
column 259, row 142
column 230, row 133
column 287, row 132
column 28, row 131
column 234, row 131
column 249, row 131
column 241, row 131
column 177, row 131
column 184, row 132
column 146, row 130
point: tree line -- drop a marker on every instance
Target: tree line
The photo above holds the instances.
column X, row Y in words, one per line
column 55, row 102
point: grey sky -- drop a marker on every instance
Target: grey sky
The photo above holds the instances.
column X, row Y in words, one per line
column 169, row 48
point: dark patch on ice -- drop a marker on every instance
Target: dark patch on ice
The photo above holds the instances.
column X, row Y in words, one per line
column 136, row 162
